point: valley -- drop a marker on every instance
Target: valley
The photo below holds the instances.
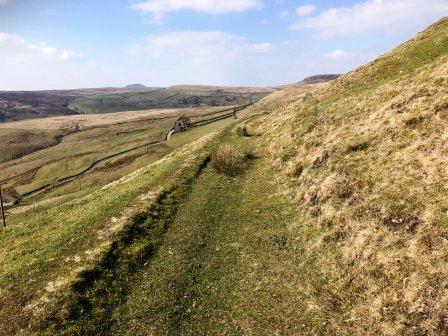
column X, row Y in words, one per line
column 16, row 106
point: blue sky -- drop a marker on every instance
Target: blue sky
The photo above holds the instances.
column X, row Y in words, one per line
column 54, row 44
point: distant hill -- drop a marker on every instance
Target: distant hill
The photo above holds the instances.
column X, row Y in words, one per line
column 173, row 97
column 136, row 87
column 317, row 79
column 22, row 105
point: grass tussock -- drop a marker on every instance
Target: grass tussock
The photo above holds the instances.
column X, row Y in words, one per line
column 227, row 160
column 296, row 170
column 242, row 131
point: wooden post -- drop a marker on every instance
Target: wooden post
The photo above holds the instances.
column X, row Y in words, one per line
column 101, row 105
column 2, row 208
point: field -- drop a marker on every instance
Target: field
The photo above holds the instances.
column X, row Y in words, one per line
column 63, row 146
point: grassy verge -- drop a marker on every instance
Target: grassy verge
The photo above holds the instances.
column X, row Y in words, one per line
column 87, row 308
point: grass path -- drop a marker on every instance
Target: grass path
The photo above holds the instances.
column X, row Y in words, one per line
column 222, row 263
column 227, row 266
column 214, row 255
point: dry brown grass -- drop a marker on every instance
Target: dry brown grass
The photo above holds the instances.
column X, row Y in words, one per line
column 227, row 160
column 96, row 120
column 372, row 190
column 242, row 131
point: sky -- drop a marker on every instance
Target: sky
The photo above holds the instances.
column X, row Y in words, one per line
column 67, row 44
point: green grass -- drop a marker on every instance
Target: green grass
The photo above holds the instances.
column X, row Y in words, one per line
column 224, row 239
column 77, row 151
column 16, row 143
column 229, row 264
column 36, row 244
column 69, row 226
column 174, row 97
column 87, row 308
column 215, row 255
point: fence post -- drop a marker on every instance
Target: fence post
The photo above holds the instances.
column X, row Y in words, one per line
column 2, row 208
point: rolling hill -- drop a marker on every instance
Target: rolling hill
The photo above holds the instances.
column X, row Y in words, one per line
column 15, row 106
column 321, row 210
column 23, row 105
column 181, row 96
column 317, row 79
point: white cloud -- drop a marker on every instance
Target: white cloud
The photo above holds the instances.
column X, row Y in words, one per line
column 337, row 54
column 13, row 47
column 305, row 10
column 197, row 45
column 201, row 57
column 4, row 2
column 375, row 15
column 29, row 66
column 159, row 8
column 263, row 48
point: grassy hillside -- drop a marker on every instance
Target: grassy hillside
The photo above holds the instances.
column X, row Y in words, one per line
column 173, row 97
column 23, row 105
column 364, row 159
column 322, row 211
column 50, row 149
column 49, row 239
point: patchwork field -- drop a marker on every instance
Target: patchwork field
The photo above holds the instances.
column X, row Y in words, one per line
column 48, row 150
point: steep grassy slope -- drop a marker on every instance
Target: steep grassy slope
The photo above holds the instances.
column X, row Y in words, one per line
column 365, row 161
